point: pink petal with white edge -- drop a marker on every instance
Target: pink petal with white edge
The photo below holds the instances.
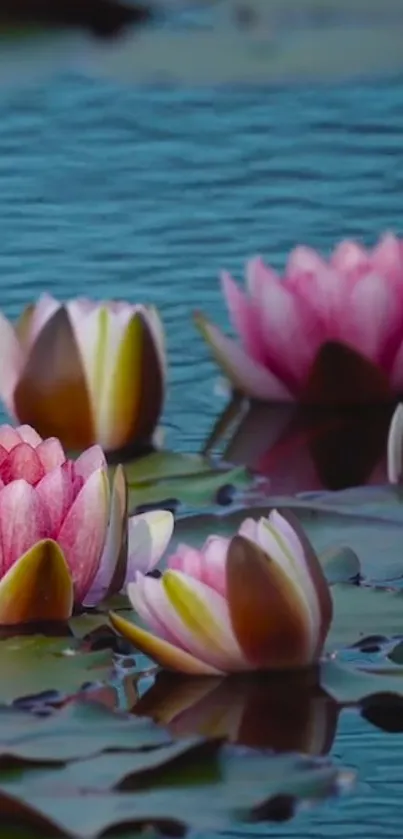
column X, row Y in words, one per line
column 89, row 461
column 29, row 435
column 246, row 375
column 51, row 453
column 57, row 494
column 244, row 318
column 149, row 536
column 115, row 544
column 12, row 361
column 351, row 259
column 290, row 327
column 22, row 462
column 9, row 437
column 43, row 311
column 206, row 565
column 83, row 532
column 387, row 258
column 320, row 287
column 22, row 522
column 372, row 316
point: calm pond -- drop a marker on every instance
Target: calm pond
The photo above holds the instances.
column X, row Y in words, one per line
column 146, row 194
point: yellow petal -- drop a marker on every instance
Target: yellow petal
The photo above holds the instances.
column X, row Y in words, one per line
column 51, row 394
column 23, row 325
column 38, row 587
column 165, row 654
column 267, row 612
column 205, row 626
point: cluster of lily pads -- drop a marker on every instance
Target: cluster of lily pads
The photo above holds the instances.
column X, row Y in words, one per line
column 249, row 627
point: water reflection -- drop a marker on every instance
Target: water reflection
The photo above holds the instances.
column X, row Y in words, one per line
column 285, row 713
column 301, row 448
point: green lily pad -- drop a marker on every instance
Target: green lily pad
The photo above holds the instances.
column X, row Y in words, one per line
column 350, row 684
column 186, row 478
column 372, row 529
column 32, row 664
column 360, row 611
column 232, row 784
column 78, row 730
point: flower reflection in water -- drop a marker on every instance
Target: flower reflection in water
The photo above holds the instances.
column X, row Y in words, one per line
column 283, row 712
column 300, row 448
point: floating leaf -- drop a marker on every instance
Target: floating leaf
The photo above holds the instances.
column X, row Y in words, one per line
column 32, row 664
column 360, row 611
column 186, row 478
column 340, row 564
column 235, row 784
column 78, row 730
column 349, row 685
column 372, row 528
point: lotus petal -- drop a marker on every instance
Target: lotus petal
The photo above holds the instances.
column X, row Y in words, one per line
column 149, row 536
column 27, row 434
column 245, row 374
column 111, row 573
column 395, row 447
column 11, row 362
column 51, row 394
column 57, row 492
column 23, row 522
column 22, row 462
column 9, row 437
column 151, row 384
column 165, row 654
column 89, row 461
column 83, row 532
column 51, row 453
column 267, row 612
column 316, row 575
column 37, row 587
column 200, row 621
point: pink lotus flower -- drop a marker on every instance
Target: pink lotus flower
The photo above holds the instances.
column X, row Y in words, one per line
column 258, row 601
column 353, row 302
column 85, row 372
column 63, row 531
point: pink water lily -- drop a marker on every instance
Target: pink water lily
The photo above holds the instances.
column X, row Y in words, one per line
column 257, row 601
column 64, row 529
column 84, row 371
column 352, row 301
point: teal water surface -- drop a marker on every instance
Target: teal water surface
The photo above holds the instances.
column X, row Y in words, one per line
column 147, row 194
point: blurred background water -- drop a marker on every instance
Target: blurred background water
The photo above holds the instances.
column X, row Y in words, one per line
column 145, row 194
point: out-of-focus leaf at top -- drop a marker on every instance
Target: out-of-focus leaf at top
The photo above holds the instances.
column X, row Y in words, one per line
column 219, row 41
column 265, row 41
column 103, row 18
